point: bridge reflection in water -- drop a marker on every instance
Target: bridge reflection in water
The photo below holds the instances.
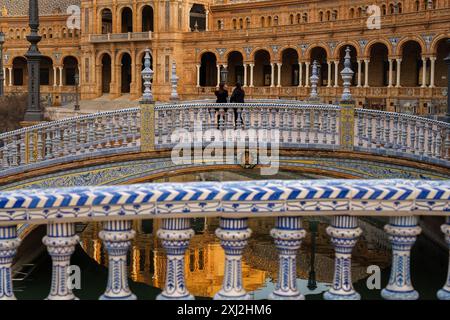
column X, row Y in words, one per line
column 204, row 260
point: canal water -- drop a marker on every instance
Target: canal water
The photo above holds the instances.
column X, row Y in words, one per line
column 205, row 258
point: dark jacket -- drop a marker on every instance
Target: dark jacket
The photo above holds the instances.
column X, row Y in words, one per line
column 222, row 96
column 237, row 96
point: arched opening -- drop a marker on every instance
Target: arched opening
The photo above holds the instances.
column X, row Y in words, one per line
column 442, row 51
column 379, row 66
column 70, row 69
column 106, row 73
column 320, row 55
column 353, row 60
column 411, row 64
column 147, row 19
column 127, row 20
column 289, row 68
column 20, row 71
column 107, row 22
column 46, row 71
column 125, row 73
column 235, row 68
column 208, row 70
column 197, row 18
column 263, row 69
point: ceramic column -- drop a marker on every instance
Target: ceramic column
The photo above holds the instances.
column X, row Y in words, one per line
column 344, row 233
column 288, row 234
column 60, row 241
column 175, row 235
column 402, row 232
column 233, row 235
column 117, row 236
column 444, row 293
column 8, row 249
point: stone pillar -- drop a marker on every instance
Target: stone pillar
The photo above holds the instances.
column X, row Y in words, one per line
column 175, row 235
column 344, row 233
column 54, row 77
column 279, row 74
column 390, row 72
column 198, row 75
column 245, row 75
column 218, row 75
column 288, row 234
column 117, row 236
column 4, row 76
column 444, row 293
column 402, row 232
column 252, row 67
column 432, row 72
column 307, row 74
column 300, row 74
column 336, row 69
column 399, row 66
column 60, row 76
column 10, row 77
column 366, row 73
column 60, row 241
column 424, row 72
column 233, row 235
column 8, row 249
column 359, row 73
column 272, row 75
column 329, row 74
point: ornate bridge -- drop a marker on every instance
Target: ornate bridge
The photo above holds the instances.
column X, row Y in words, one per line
column 293, row 127
column 152, row 128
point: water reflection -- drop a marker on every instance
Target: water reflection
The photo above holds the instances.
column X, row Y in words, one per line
column 204, row 261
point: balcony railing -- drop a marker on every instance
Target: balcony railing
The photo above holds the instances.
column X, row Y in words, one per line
column 120, row 37
column 234, row 202
column 289, row 124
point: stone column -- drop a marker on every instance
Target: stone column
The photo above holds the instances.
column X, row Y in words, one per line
column 366, row 73
column 218, row 75
column 300, row 74
column 272, row 75
column 117, row 236
column 307, row 74
column 359, row 74
column 279, row 74
column 336, row 74
column 60, row 241
column 432, row 72
column 4, row 76
column 424, row 72
column 390, row 72
column 444, row 293
column 8, row 249
column 245, row 75
column 402, row 232
column 60, row 76
column 399, row 66
column 54, row 76
column 344, row 233
column 252, row 66
column 288, row 234
column 329, row 74
column 10, row 77
column 198, row 75
column 233, row 235
column 175, row 235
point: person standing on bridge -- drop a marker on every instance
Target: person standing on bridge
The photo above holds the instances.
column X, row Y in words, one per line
column 238, row 96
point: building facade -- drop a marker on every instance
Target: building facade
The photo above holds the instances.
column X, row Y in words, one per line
column 397, row 49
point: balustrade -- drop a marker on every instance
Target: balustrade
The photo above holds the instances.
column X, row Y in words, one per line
column 234, row 203
column 289, row 124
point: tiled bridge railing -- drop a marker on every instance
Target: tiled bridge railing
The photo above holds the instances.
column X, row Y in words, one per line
column 150, row 127
column 234, row 202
